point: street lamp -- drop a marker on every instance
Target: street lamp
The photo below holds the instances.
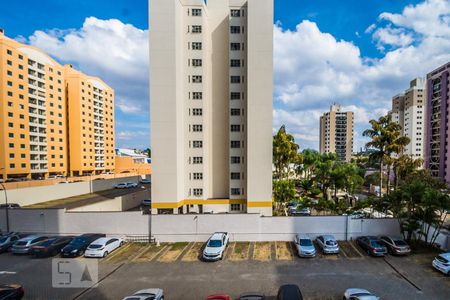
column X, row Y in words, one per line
column 6, row 202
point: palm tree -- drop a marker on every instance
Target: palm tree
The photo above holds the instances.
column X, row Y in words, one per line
column 404, row 166
column 386, row 140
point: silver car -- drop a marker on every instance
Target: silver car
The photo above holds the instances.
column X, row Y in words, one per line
column 304, row 245
column 359, row 294
column 24, row 245
column 328, row 244
column 395, row 245
column 147, row 294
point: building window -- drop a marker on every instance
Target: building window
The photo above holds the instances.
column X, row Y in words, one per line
column 197, row 95
column 235, row 29
column 235, row 128
column 235, row 112
column 235, row 63
column 198, row 176
column 235, row 95
column 235, row 159
column 196, row 46
column 197, row 128
column 235, row 144
column 12, row 166
column 196, row 62
column 235, row 176
column 196, row 29
column 198, row 192
column 197, row 160
column 197, row 144
column 235, row 13
column 196, row 12
column 197, row 111
column 235, row 191
column 9, row 52
column 235, row 207
column 235, row 46
column 235, row 79
column 197, row 79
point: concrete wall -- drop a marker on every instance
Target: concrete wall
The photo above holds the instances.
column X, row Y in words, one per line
column 33, row 195
column 121, row 203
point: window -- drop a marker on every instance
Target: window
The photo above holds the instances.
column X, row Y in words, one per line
column 11, row 155
column 235, row 46
column 235, row 112
column 198, row 176
column 198, row 192
column 235, row 176
column 197, row 128
column 9, row 63
column 197, row 79
column 9, row 52
column 12, row 166
column 235, row 29
column 235, row 13
column 197, row 144
column 196, row 12
column 11, row 135
column 235, row 79
column 235, row 160
column 235, row 191
column 197, row 95
column 235, row 207
column 235, row 144
column 235, row 128
column 197, row 111
column 11, row 145
column 196, row 46
column 9, row 73
column 235, row 96
column 197, row 160
column 196, row 62
column 235, row 63
column 196, row 29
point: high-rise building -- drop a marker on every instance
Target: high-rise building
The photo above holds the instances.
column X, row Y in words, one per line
column 38, row 130
column 336, row 132
column 211, row 105
column 437, row 146
column 408, row 110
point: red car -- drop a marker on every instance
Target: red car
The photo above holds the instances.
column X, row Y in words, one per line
column 218, row 297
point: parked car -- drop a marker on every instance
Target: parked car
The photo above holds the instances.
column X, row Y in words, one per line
column 9, row 206
column 218, row 297
column 147, row 294
column 55, row 176
column 145, row 181
column 395, row 245
column 79, row 244
column 289, row 292
column 7, row 241
column 103, row 246
column 358, row 215
column 442, row 263
column 328, row 244
column 24, row 245
column 122, row 185
column 11, row 292
column 306, row 211
column 372, row 245
column 252, row 296
column 215, row 246
column 50, row 247
column 359, row 294
column 146, row 202
column 304, row 245
column 131, row 185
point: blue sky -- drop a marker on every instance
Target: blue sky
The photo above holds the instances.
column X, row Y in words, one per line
column 356, row 53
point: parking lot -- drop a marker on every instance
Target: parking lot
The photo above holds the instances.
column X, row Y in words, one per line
column 247, row 266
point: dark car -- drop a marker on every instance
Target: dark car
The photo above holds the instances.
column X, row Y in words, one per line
column 395, row 245
column 372, row 245
column 289, row 292
column 79, row 244
column 11, row 292
column 252, row 296
column 7, row 241
column 10, row 205
column 50, row 247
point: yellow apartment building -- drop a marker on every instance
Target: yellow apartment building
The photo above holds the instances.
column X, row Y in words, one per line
column 54, row 120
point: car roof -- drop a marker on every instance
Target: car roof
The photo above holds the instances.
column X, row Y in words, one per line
column 217, row 235
column 328, row 237
column 303, row 236
column 30, row 237
column 291, row 291
column 153, row 291
column 102, row 240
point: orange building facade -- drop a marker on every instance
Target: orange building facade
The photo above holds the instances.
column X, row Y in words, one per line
column 53, row 119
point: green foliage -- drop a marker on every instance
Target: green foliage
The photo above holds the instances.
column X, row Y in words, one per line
column 283, row 191
column 285, row 152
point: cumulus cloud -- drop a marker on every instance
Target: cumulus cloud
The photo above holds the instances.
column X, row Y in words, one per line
column 314, row 69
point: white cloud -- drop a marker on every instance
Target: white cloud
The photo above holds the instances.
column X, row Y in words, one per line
column 371, row 28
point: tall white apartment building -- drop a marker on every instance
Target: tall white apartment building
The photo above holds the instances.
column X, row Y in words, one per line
column 408, row 110
column 211, row 71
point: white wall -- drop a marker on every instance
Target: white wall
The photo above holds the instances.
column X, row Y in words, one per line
column 33, row 195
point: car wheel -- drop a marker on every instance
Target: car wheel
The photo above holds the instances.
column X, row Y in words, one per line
column 105, row 254
column 368, row 252
column 121, row 244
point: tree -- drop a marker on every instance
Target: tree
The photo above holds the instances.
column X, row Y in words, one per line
column 403, row 166
column 283, row 191
column 386, row 140
column 148, row 151
column 310, row 160
column 285, row 152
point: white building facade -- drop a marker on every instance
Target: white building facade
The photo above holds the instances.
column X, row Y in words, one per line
column 211, row 105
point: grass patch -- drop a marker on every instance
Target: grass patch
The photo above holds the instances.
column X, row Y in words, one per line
column 240, row 251
column 194, row 253
column 179, row 246
column 262, row 251
column 150, row 253
column 283, row 251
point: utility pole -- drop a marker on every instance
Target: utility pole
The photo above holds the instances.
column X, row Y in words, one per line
column 6, row 202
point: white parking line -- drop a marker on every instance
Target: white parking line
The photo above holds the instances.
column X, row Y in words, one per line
column 7, row 273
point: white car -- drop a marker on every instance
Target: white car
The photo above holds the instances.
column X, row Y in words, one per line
column 122, row 185
column 215, row 246
column 147, row 294
column 131, row 185
column 359, row 294
column 442, row 263
column 328, row 244
column 103, row 246
column 304, row 245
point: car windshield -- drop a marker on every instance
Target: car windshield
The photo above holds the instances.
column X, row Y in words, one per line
column 149, row 295
column 3, row 239
column 78, row 241
column 215, row 243
column 330, row 243
column 375, row 244
column 442, row 259
column 47, row 242
column 95, row 246
column 305, row 242
column 400, row 243
column 21, row 243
